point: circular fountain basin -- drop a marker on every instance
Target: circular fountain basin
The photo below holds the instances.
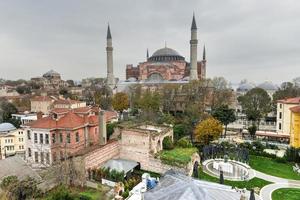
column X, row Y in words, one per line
column 232, row 170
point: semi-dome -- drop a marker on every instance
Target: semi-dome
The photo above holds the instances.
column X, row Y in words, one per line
column 268, row 86
column 51, row 73
column 6, row 127
column 244, row 87
column 166, row 54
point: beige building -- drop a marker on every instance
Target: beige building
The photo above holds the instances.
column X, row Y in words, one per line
column 284, row 114
column 41, row 104
column 12, row 141
column 68, row 103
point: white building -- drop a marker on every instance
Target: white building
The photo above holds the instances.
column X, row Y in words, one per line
column 25, row 118
column 12, row 141
column 38, row 149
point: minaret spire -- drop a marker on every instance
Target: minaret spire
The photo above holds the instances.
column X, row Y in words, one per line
column 108, row 32
column 147, row 54
column 204, row 53
column 109, row 58
column 193, row 51
column 194, row 25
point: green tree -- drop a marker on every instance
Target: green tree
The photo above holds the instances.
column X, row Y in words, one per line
column 120, row 101
column 256, row 104
column 168, row 143
column 6, row 111
column 103, row 97
column 24, row 189
column 208, row 130
column 252, row 130
column 286, row 90
column 150, row 103
column 179, row 131
column 225, row 115
column 221, row 92
column 23, row 89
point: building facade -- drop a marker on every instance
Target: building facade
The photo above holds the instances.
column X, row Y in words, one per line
column 12, row 141
column 295, row 127
column 68, row 103
column 167, row 64
column 283, row 125
column 62, row 134
column 41, row 104
column 50, row 80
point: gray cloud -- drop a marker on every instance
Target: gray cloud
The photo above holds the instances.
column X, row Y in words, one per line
column 253, row 39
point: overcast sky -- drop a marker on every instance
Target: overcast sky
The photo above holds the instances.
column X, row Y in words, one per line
column 254, row 39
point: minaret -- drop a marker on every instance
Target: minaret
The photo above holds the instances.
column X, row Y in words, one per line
column 147, row 55
column 109, row 58
column 204, row 54
column 193, row 51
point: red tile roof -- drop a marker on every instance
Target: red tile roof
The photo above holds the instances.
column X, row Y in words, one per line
column 66, row 101
column 69, row 120
column 295, row 109
column 294, row 100
column 60, row 110
column 41, row 98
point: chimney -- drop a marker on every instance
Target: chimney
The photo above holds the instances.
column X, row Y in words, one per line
column 102, row 128
column 39, row 115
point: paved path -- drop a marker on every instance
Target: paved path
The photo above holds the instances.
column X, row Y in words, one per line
column 266, row 192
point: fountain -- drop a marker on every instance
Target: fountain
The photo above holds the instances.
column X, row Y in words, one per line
column 232, row 170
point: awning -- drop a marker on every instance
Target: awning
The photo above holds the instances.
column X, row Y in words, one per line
column 121, row 165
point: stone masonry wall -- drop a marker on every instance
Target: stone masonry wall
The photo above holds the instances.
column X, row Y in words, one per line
column 99, row 156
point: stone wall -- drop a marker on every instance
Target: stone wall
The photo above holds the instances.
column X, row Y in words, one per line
column 99, row 156
column 157, row 166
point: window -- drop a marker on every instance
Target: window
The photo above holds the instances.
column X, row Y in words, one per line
column 42, row 157
column 279, row 126
column 61, row 155
column 60, row 137
column 54, row 156
column 35, row 138
column 280, row 105
column 77, row 137
column 46, row 138
column 47, row 158
column 41, row 138
column 280, row 115
column 68, row 138
column 53, row 138
column 36, row 157
column 28, row 135
column 29, row 152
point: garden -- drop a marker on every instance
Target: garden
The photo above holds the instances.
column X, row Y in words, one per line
column 273, row 167
column 250, row 184
column 176, row 154
column 286, row 194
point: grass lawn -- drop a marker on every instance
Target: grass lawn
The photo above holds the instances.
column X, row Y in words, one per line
column 272, row 167
column 76, row 193
column 286, row 194
column 92, row 194
column 177, row 156
column 255, row 182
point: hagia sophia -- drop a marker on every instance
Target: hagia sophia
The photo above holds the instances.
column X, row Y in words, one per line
column 163, row 66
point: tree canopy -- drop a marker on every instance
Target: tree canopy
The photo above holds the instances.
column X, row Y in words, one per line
column 225, row 115
column 120, row 101
column 208, row 130
column 256, row 104
column 286, row 90
column 6, row 111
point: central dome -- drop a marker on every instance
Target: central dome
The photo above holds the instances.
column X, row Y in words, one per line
column 166, row 54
